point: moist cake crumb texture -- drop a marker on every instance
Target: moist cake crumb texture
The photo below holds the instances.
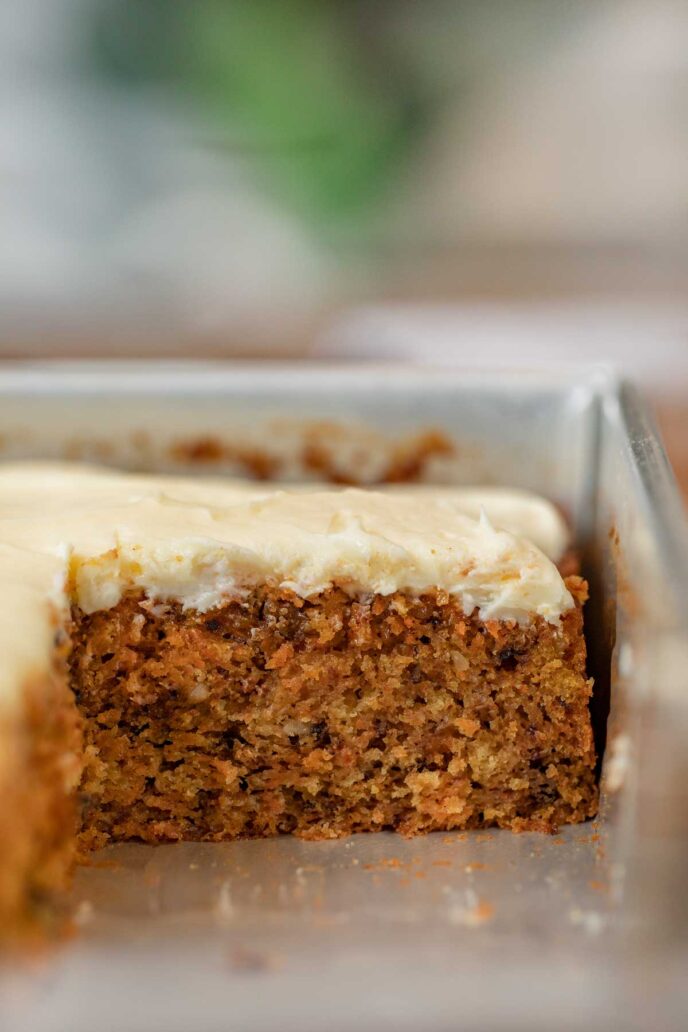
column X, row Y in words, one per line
column 38, row 812
column 327, row 716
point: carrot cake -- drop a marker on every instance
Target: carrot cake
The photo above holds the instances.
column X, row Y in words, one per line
column 190, row 659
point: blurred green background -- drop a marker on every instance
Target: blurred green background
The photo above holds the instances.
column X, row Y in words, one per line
column 311, row 90
column 224, row 176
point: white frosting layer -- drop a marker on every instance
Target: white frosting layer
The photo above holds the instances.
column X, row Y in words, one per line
column 200, row 542
column 520, row 512
column 32, row 596
column 62, row 486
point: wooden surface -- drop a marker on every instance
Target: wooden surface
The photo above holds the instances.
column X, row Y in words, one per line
column 673, row 423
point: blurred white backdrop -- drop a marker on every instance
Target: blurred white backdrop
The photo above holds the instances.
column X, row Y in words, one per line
column 221, row 177
column 647, row 343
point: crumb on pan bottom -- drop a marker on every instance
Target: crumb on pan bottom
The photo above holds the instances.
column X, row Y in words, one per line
column 328, row 716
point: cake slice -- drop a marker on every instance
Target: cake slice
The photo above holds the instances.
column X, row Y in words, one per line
column 40, row 743
column 249, row 661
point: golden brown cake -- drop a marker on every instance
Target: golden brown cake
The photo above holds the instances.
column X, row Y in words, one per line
column 247, row 661
column 40, row 742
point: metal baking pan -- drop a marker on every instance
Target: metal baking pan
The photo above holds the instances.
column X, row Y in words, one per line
column 587, row 929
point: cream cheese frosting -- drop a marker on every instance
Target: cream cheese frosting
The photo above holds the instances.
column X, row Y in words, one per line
column 32, row 601
column 197, row 541
column 65, row 485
